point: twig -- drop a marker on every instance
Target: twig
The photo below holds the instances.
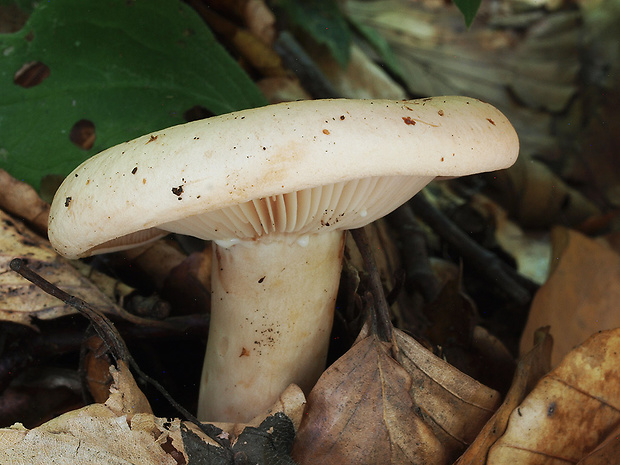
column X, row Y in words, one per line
column 419, row 274
column 106, row 331
column 488, row 264
column 382, row 312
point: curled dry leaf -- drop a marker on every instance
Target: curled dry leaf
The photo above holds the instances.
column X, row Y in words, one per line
column 123, row 430
column 531, row 367
column 361, row 412
column 570, row 412
column 22, row 200
column 455, row 406
column 22, row 301
column 581, row 295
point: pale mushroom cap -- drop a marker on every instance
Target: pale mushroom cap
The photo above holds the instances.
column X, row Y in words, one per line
column 265, row 161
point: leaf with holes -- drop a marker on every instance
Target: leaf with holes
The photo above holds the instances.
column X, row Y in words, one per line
column 82, row 76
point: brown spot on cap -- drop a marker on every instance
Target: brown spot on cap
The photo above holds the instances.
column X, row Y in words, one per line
column 152, row 138
column 440, row 112
column 83, row 134
column 67, row 202
column 244, row 352
column 135, row 170
column 408, row 120
column 491, row 121
column 177, row 191
column 326, row 132
column 31, row 74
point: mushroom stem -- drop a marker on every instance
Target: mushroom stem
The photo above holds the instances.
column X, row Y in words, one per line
column 272, row 309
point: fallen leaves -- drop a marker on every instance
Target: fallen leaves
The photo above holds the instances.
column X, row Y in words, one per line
column 570, row 412
column 121, row 430
column 21, row 301
column 534, row 365
column 581, row 295
column 455, row 406
column 370, row 407
column 360, row 412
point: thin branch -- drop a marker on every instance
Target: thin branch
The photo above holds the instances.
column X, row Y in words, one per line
column 381, row 310
column 488, row 264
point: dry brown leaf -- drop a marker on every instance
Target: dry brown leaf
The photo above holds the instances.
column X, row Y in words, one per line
column 22, row 301
column 454, row 405
column 260, row 20
column 22, row 200
column 571, row 410
column 257, row 53
column 360, row 412
column 537, row 197
column 581, row 295
column 255, row 14
column 121, row 431
column 606, row 453
column 532, row 366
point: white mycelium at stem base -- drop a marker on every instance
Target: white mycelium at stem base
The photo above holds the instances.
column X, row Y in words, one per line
column 272, row 309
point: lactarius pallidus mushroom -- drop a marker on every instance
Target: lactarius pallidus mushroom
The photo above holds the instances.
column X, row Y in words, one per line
column 275, row 189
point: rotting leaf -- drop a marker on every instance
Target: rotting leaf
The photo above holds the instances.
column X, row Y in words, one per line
column 268, row 444
column 570, row 412
column 361, row 412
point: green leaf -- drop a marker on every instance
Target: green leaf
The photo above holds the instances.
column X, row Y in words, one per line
column 324, row 22
column 469, row 8
column 127, row 67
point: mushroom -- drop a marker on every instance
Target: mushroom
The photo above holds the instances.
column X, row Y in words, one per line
column 275, row 188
